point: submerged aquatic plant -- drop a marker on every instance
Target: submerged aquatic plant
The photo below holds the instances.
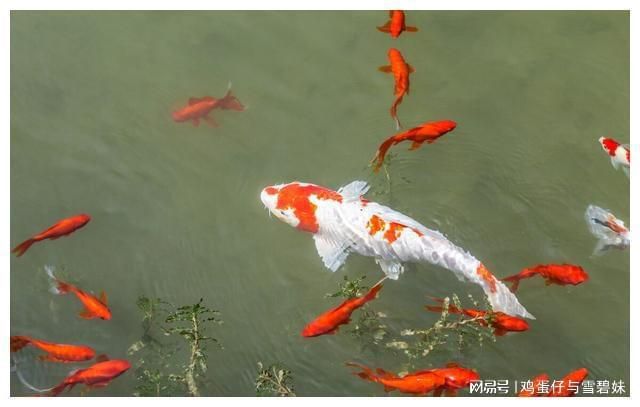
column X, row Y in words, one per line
column 465, row 330
column 155, row 371
column 274, row 380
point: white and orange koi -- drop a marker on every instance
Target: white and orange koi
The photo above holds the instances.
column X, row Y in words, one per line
column 619, row 153
column 343, row 222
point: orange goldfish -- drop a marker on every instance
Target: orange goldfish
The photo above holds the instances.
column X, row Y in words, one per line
column 427, row 132
column 561, row 274
column 93, row 307
column 500, row 322
column 199, row 108
column 566, row 387
column 95, row 376
column 330, row 321
column 55, row 352
column 456, row 378
column 395, row 26
column 61, row 228
column 417, row 383
column 401, row 71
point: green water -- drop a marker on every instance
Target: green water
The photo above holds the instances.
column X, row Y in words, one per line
column 176, row 209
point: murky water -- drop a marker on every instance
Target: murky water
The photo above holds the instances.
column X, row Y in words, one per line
column 176, row 212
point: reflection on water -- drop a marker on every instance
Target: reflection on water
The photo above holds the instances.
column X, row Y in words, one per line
column 176, row 211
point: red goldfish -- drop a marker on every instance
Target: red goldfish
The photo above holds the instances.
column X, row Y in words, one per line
column 199, row 108
column 95, row 376
column 566, row 387
column 561, row 274
column 55, row 352
column 330, row 321
column 456, row 377
column 61, row 228
column 401, row 71
column 417, row 383
column 93, row 307
column 500, row 322
column 427, row 132
column 395, row 26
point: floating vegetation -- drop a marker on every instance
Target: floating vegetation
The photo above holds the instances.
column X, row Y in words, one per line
column 464, row 329
column 350, row 288
column 154, row 371
column 274, row 380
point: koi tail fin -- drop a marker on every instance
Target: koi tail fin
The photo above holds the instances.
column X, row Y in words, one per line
column 600, row 222
column 20, row 249
column 382, row 152
column 57, row 287
column 230, row 102
column 394, row 110
column 19, row 342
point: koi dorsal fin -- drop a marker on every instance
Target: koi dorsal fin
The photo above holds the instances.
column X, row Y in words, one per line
column 353, row 191
column 102, row 358
column 103, row 297
column 193, row 101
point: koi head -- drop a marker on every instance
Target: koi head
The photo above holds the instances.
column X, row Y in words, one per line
column 296, row 203
column 609, row 145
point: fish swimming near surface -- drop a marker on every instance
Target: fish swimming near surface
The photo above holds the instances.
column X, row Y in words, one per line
column 568, row 386
column 396, row 25
column 93, row 307
column 95, row 376
column 200, row 108
column 427, row 132
column 418, row 383
column 619, row 153
column 330, row 321
column 499, row 321
column 560, row 274
column 344, row 221
column 61, row 228
column 401, row 71
column 456, row 377
column 56, row 352
column 609, row 230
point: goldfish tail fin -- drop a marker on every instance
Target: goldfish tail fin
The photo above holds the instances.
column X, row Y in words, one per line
column 19, row 342
column 382, row 152
column 230, row 102
column 394, row 110
column 434, row 308
column 20, row 249
column 371, row 295
column 515, row 282
column 57, row 287
column 365, row 373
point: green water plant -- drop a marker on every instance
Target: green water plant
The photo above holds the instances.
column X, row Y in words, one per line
column 274, row 380
column 165, row 328
column 449, row 327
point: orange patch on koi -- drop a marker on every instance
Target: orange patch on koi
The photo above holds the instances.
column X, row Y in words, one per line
column 487, row 276
column 297, row 197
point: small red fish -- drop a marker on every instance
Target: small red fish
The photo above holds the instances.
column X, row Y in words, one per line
column 620, row 154
column 427, row 132
column 55, row 352
column 330, row 321
column 61, row 228
column 456, row 378
column 418, row 383
column 395, row 26
column 500, row 322
column 401, row 71
column 199, row 108
column 561, row 274
column 537, row 382
column 93, row 307
column 95, row 376
column 567, row 387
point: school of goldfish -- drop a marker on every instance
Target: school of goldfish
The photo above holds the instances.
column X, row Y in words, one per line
column 343, row 222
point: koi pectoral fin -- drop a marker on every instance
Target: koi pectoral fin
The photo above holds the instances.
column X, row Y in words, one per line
column 411, row 28
column 386, row 27
column 86, row 314
column 415, row 145
column 391, row 268
column 332, row 252
column 211, row 121
column 385, row 68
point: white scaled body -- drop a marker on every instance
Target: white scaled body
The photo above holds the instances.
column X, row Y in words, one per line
column 343, row 222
